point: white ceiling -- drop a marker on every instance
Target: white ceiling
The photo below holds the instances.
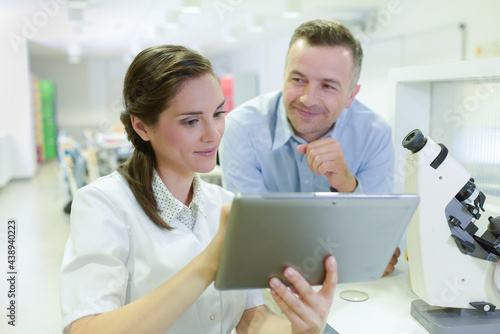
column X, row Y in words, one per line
column 124, row 27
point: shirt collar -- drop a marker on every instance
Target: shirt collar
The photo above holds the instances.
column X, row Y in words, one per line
column 283, row 131
column 170, row 207
column 196, row 201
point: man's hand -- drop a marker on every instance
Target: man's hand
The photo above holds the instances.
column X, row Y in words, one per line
column 325, row 157
column 391, row 266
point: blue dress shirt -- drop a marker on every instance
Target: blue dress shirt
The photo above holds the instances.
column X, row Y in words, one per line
column 258, row 150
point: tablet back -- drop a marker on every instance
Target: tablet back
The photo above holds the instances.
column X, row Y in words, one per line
column 267, row 232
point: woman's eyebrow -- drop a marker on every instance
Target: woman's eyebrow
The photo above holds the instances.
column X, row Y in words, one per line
column 191, row 113
column 194, row 113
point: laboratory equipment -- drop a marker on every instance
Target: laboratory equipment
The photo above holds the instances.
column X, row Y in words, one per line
column 453, row 269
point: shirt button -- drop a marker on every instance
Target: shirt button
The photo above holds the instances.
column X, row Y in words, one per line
column 212, row 317
column 306, row 181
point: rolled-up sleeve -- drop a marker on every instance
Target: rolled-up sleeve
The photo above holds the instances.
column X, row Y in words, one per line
column 94, row 275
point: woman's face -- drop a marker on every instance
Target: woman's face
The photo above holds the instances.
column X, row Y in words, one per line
column 187, row 134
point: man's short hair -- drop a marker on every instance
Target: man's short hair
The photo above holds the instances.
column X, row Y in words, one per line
column 330, row 33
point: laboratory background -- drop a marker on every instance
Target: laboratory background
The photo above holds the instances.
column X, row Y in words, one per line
column 428, row 65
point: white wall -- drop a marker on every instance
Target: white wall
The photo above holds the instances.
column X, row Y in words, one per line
column 17, row 126
column 424, row 32
column 266, row 59
column 402, row 33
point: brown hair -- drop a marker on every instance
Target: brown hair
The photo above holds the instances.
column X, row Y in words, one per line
column 329, row 33
column 152, row 80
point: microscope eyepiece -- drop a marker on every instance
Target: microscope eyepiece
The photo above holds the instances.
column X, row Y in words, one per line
column 414, row 141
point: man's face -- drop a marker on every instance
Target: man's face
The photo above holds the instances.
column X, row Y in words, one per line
column 316, row 87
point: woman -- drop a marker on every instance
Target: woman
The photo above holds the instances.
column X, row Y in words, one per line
column 145, row 241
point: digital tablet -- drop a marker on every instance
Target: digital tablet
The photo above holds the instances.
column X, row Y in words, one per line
column 268, row 232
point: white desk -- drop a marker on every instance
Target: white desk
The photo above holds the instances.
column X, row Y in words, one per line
column 386, row 311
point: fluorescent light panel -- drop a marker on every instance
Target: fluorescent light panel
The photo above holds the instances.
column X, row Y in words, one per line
column 191, row 6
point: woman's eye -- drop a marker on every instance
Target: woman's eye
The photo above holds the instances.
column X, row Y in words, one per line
column 219, row 114
column 190, row 122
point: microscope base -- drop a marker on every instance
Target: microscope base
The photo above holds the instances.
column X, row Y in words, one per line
column 439, row 320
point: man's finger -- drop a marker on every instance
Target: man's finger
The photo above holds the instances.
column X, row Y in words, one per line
column 302, row 148
column 397, row 253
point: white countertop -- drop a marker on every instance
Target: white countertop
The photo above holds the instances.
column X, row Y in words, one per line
column 386, row 311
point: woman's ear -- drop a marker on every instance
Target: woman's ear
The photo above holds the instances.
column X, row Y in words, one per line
column 140, row 128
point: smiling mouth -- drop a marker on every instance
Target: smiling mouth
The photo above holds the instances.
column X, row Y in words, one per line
column 210, row 152
column 307, row 113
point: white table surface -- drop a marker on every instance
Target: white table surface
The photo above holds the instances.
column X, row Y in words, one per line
column 387, row 310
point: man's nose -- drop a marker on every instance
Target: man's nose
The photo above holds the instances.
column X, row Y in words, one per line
column 309, row 96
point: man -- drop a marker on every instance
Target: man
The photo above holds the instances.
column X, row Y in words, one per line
column 313, row 135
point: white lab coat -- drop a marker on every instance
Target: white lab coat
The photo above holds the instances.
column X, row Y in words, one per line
column 116, row 255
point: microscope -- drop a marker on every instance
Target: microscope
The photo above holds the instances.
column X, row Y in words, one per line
column 455, row 272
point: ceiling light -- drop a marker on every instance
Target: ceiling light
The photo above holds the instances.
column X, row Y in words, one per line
column 191, row 6
column 292, row 9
